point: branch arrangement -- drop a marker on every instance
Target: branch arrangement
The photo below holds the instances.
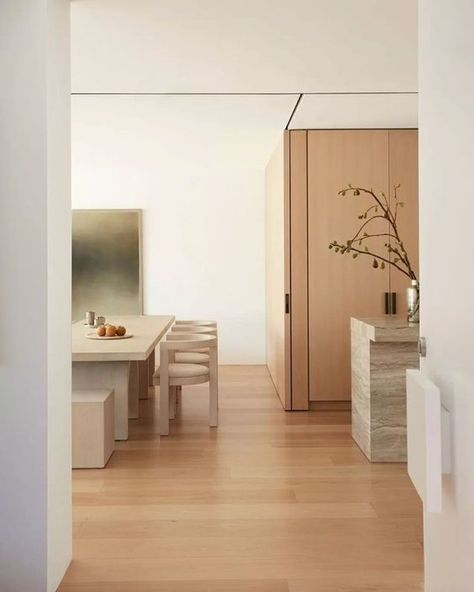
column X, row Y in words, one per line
column 358, row 245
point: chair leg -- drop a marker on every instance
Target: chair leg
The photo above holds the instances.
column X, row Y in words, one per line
column 172, row 405
column 179, row 397
column 164, row 409
column 213, row 388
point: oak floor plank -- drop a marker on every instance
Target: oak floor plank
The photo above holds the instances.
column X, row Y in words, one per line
column 268, row 502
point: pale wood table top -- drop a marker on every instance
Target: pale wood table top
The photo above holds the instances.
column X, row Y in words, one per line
column 147, row 331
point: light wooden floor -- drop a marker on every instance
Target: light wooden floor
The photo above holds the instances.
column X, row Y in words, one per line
column 268, row 502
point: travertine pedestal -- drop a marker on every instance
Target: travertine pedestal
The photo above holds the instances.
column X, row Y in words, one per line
column 382, row 350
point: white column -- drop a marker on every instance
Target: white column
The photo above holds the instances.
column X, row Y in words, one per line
column 446, row 118
column 35, row 245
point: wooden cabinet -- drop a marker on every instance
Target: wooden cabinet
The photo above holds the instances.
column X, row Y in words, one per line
column 325, row 289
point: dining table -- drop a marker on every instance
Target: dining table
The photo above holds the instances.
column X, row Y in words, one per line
column 117, row 363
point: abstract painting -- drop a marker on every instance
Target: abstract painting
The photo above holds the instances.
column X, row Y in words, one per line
column 106, row 262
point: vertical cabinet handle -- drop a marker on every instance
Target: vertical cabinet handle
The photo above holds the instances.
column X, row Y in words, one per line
column 287, row 304
column 390, row 303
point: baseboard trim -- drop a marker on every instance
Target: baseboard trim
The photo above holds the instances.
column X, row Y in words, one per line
column 330, row 405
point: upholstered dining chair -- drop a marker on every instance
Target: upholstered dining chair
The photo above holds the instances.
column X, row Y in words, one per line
column 170, row 374
column 194, row 357
column 196, row 323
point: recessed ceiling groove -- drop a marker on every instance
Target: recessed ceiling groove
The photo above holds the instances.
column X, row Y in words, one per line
column 236, row 94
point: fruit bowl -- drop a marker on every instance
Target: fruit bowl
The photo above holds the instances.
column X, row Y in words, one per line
column 109, row 332
column 105, row 338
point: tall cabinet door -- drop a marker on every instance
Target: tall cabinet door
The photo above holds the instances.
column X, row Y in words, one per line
column 338, row 285
column 403, row 157
column 299, row 269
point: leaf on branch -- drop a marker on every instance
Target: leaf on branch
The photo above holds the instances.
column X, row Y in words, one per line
column 401, row 204
column 366, row 234
column 356, row 192
column 382, row 265
column 375, row 264
column 355, row 255
column 367, row 249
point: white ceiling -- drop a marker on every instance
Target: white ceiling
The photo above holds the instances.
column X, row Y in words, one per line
column 211, row 46
column 356, row 111
column 174, row 133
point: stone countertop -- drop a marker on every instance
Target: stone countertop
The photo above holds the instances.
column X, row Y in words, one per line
column 386, row 329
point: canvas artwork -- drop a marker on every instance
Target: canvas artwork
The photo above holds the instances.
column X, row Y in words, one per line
column 106, row 262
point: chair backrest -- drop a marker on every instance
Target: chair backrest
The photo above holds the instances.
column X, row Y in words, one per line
column 188, row 341
column 191, row 329
column 195, row 323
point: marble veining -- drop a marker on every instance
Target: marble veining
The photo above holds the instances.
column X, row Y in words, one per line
column 382, row 350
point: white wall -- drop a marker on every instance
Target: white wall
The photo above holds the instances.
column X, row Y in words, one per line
column 35, row 490
column 447, row 271
column 195, row 165
column 59, row 291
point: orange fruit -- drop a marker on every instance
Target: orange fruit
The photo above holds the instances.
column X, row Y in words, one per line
column 110, row 331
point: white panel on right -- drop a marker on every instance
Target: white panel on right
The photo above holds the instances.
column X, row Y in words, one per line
column 352, row 111
column 425, row 463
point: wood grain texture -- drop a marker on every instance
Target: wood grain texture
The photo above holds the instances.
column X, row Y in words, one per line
column 268, row 502
column 287, row 278
column 403, row 146
column 299, row 270
column 275, row 268
column 339, row 286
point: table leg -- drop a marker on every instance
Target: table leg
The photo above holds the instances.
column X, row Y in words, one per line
column 143, row 379
column 133, row 391
column 112, row 375
column 151, row 368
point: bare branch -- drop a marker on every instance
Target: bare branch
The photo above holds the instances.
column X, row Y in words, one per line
column 390, row 216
